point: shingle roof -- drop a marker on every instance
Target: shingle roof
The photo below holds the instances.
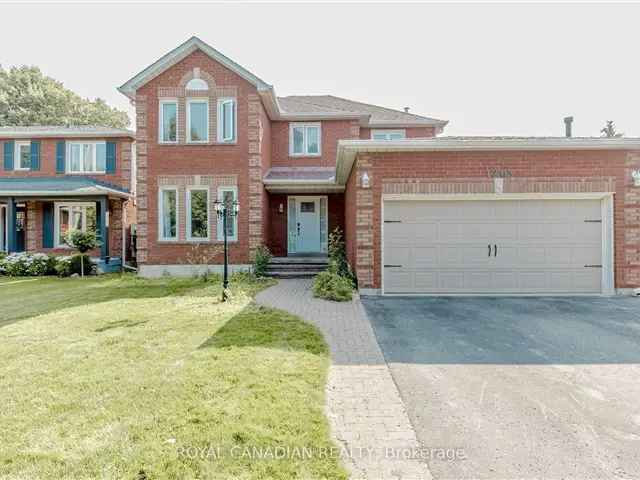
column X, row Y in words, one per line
column 300, row 174
column 79, row 131
column 63, row 185
column 330, row 104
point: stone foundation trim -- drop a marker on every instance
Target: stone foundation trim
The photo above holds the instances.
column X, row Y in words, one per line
column 157, row 271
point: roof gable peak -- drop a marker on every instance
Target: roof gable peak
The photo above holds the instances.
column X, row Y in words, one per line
column 180, row 52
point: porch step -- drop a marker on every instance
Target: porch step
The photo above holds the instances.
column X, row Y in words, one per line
column 296, row 267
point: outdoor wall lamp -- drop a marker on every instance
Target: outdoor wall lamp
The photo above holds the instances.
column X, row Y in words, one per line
column 224, row 210
column 364, row 180
column 635, row 175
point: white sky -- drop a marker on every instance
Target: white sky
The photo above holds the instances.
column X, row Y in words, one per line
column 489, row 69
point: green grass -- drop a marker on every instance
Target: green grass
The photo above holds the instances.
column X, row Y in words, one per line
column 119, row 377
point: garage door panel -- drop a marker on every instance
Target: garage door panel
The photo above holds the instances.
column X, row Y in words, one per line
column 542, row 246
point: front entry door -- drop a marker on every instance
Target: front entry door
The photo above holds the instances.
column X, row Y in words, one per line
column 308, row 225
column 20, row 228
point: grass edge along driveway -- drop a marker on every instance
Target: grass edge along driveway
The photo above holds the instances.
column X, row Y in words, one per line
column 121, row 377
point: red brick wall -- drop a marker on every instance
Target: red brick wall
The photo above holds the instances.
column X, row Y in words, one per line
column 277, row 237
column 34, row 234
column 331, row 131
column 413, row 132
column 122, row 176
column 155, row 160
column 549, row 171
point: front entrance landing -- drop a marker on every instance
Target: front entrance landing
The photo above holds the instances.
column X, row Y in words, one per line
column 366, row 414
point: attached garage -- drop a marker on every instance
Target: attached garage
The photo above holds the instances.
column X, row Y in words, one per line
column 527, row 244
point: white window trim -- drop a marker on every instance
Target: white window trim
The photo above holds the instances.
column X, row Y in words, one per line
column 191, row 100
column 68, row 170
column 304, row 144
column 56, row 229
column 162, row 102
column 188, row 210
column 220, row 119
column 389, row 132
column 16, row 156
column 161, row 237
column 234, row 219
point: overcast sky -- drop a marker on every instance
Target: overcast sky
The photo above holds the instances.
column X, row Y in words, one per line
column 488, row 69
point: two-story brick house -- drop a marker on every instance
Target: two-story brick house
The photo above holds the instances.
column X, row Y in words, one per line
column 58, row 178
column 421, row 214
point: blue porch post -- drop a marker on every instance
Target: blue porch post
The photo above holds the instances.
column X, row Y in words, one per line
column 103, row 208
column 12, row 232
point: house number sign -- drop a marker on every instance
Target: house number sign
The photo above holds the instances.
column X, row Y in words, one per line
column 499, row 173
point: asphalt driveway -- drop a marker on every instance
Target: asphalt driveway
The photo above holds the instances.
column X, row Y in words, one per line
column 523, row 387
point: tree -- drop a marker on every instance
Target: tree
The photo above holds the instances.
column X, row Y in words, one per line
column 27, row 97
column 82, row 242
column 609, row 130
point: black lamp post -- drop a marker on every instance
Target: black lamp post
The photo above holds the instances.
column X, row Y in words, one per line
column 224, row 211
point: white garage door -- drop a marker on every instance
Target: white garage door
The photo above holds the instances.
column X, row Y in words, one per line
column 502, row 246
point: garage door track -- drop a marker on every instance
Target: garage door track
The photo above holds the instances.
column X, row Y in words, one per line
column 525, row 387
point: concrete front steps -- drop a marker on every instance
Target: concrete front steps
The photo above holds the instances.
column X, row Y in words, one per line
column 296, row 267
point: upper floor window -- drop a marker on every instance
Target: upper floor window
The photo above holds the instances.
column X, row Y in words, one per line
column 197, row 84
column 23, row 156
column 197, row 120
column 304, row 139
column 86, row 157
column 168, row 121
column 227, row 120
column 388, row 134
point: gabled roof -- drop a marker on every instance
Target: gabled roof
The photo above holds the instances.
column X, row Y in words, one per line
column 79, row 131
column 294, row 108
column 378, row 116
column 58, row 187
column 177, row 54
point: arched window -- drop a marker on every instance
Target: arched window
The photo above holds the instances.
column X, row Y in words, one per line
column 197, row 84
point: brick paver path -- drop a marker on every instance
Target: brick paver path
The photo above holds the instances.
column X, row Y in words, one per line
column 367, row 417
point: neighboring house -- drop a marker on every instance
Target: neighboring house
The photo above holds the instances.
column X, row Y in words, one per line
column 57, row 178
column 421, row 215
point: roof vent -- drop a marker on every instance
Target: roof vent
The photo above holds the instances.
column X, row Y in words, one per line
column 406, row 109
column 568, row 121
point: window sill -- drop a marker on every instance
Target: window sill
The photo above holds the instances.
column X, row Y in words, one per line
column 85, row 173
column 305, row 155
column 194, row 242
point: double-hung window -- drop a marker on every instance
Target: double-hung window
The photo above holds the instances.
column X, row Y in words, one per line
column 168, row 121
column 304, row 139
column 168, row 213
column 228, row 195
column 86, row 157
column 197, row 120
column 73, row 216
column 23, row 156
column 388, row 134
column 198, row 214
column 227, row 120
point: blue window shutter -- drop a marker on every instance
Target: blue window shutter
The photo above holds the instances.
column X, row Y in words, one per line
column 8, row 155
column 111, row 157
column 60, row 154
column 47, row 225
column 35, row 155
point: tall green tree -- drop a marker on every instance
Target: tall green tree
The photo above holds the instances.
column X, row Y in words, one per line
column 609, row 130
column 27, row 97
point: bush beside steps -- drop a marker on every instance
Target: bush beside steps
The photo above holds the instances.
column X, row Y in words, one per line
column 338, row 282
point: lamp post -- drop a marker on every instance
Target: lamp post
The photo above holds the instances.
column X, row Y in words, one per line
column 226, row 209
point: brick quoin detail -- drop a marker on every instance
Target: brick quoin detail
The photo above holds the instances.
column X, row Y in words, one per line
column 466, row 172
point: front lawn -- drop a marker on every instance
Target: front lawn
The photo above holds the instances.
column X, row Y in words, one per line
column 119, row 377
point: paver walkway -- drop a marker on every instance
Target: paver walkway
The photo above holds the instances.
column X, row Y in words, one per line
column 367, row 417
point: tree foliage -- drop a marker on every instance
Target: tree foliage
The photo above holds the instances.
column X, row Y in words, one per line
column 27, row 97
column 609, row 130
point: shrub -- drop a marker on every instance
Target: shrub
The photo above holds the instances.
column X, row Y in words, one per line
column 26, row 264
column 331, row 286
column 69, row 265
column 263, row 257
column 338, row 263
